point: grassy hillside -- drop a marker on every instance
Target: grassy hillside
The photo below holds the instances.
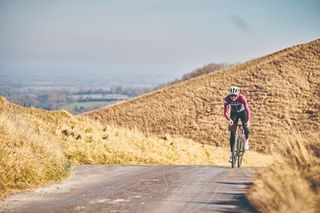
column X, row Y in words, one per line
column 38, row 146
column 282, row 90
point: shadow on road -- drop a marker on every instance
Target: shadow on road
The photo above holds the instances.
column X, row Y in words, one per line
column 237, row 200
column 234, row 200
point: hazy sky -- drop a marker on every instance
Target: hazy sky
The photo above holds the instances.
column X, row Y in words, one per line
column 152, row 39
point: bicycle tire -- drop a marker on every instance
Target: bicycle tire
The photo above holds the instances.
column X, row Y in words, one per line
column 241, row 152
column 240, row 146
column 234, row 155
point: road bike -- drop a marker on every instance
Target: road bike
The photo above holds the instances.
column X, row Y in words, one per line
column 238, row 147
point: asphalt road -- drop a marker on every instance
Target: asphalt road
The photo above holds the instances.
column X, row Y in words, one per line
column 119, row 188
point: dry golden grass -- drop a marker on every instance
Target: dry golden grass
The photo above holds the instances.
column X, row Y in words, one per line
column 282, row 87
column 37, row 146
column 292, row 183
column 122, row 146
column 27, row 157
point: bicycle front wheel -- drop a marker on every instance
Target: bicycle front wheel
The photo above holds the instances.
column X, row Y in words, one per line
column 234, row 154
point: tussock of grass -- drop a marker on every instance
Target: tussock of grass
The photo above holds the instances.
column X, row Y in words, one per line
column 27, row 159
column 292, row 183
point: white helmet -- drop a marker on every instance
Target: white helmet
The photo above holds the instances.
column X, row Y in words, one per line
column 234, row 90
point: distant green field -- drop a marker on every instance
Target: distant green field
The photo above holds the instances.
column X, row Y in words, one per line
column 76, row 107
column 87, row 102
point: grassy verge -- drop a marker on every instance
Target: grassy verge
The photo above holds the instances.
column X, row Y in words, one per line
column 292, row 183
column 27, row 159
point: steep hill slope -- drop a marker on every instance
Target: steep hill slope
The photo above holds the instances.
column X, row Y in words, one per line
column 282, row 89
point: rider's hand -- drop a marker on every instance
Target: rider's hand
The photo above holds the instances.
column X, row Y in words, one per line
column 231, row 122
column 248, row 124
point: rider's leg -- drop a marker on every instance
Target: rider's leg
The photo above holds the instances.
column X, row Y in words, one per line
column 234, row 116
column 243, row 117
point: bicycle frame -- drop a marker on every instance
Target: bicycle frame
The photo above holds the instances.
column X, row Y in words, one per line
column 238, row 148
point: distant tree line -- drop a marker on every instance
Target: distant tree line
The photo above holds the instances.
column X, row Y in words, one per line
column 123, row 90
column 46, row 99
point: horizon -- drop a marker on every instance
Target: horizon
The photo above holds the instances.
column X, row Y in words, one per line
column 144, row 42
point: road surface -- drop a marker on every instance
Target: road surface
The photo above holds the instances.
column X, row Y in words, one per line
column 150, row 188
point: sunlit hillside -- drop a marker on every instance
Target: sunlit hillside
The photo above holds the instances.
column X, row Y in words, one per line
column 282, row 89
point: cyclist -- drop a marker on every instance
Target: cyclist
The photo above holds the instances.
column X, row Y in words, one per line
column 239, row 109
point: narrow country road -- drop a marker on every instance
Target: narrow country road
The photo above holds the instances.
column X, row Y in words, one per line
column 119, row 188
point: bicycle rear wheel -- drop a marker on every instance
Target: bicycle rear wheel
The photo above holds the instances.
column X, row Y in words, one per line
column 240, row 151
column 240, row 147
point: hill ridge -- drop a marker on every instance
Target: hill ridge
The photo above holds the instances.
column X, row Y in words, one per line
column 281, row 89
column 285, row 50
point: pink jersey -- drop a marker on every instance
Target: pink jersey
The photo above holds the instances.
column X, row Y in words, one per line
column 237, row 105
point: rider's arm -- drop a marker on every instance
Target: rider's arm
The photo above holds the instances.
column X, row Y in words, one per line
column 246, row 106
column 226, row 110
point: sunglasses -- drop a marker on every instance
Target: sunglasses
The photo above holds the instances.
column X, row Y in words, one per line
column 233, row 96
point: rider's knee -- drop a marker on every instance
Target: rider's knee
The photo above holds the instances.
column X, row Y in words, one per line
column 232, row 129
column 246, row 130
